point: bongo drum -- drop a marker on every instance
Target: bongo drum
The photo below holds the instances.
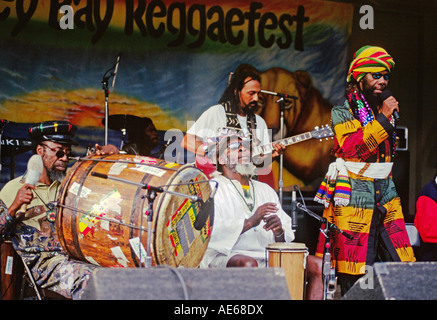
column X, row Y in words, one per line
column 105, row 221
column 293, row 258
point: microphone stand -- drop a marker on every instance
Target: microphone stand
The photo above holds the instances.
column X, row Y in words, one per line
column 106, row 90
column 111, row 72
column 282, row 97
column 281, row 156
column 1, row 133
column 329, row 277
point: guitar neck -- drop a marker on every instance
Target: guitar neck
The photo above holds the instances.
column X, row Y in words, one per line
column 268, row 148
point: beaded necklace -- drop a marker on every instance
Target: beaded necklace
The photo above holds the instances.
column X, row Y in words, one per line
column 364, row 113
column 249, row 206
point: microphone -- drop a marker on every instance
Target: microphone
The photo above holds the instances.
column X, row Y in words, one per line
column 206, row 209
column 385, row 95
column 281, row 95
column 34, row 171
column 116, row 69
column 293, row 209
column 230, row 77
column 164, row 147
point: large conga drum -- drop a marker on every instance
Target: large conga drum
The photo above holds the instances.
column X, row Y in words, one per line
column 292, row 257
column 104, row 221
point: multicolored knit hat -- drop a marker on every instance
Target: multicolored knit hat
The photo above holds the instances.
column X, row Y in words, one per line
column 369, row 59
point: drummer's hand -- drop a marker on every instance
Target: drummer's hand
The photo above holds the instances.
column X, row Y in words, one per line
column 107, row 149
column 262, row 211
column 24, row 196
column 273, row 223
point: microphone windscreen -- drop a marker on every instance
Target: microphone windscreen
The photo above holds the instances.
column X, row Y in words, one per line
column 385, row 94
column 34, row 169
column 206, row 210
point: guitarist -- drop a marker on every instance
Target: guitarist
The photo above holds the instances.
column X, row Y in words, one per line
column 236, row 109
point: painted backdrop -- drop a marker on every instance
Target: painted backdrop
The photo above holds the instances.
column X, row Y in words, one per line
column 176, row 57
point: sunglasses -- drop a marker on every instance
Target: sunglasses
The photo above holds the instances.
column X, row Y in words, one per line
column 59, row 153
column 378, row 75
column 237, row 144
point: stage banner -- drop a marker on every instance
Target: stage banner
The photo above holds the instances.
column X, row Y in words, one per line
column 175, row 58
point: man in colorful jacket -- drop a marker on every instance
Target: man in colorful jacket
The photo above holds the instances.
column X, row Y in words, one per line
column 358, row 191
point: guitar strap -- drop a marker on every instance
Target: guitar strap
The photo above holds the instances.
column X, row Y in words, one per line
column 233, row 122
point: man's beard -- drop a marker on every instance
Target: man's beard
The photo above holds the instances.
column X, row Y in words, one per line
column 247, row 169
column 250, row 107
column 372, row 100
column 55, row 174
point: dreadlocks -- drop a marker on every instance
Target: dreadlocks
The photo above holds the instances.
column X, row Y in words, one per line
column 230, row 95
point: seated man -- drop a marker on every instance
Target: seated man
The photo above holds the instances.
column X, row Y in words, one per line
column 32, row 229
column 143, row 137
column 426, row 221
column 248, row 216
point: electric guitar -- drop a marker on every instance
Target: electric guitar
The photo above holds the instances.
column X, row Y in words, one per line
column 207, row 166
column 317, row 133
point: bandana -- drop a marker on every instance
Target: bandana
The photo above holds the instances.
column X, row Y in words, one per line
column 369, row 59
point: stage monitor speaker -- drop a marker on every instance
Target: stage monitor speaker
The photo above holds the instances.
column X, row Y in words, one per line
column 165, row 283
column 396, row 281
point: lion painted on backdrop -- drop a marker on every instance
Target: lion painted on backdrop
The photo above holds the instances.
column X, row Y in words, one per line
column 305, row 162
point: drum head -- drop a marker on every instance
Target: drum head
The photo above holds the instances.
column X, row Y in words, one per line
column 177, row 242
column 287, row 246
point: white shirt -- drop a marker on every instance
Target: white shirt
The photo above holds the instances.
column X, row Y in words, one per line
column 214, row 118
column 230, row 211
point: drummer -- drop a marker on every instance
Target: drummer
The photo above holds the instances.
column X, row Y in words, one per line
column 32, row 232
column 143, row 137
column 248, row 215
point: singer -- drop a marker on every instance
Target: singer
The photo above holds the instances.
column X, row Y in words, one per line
column 358, row 191
column 32, row 233
column 248, row 215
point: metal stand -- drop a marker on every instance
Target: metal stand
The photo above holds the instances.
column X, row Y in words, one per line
column 329, row 277
column 151, row 196
column 1, row 132
column 111, row 72
column 281, row 156
column 281, row 101
column 106, row 90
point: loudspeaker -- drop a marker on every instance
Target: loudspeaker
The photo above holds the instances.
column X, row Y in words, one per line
column 166, row 283
column 396, row 281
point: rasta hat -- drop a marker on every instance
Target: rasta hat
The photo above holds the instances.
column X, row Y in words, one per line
column 369, row 59
column 58, row 131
